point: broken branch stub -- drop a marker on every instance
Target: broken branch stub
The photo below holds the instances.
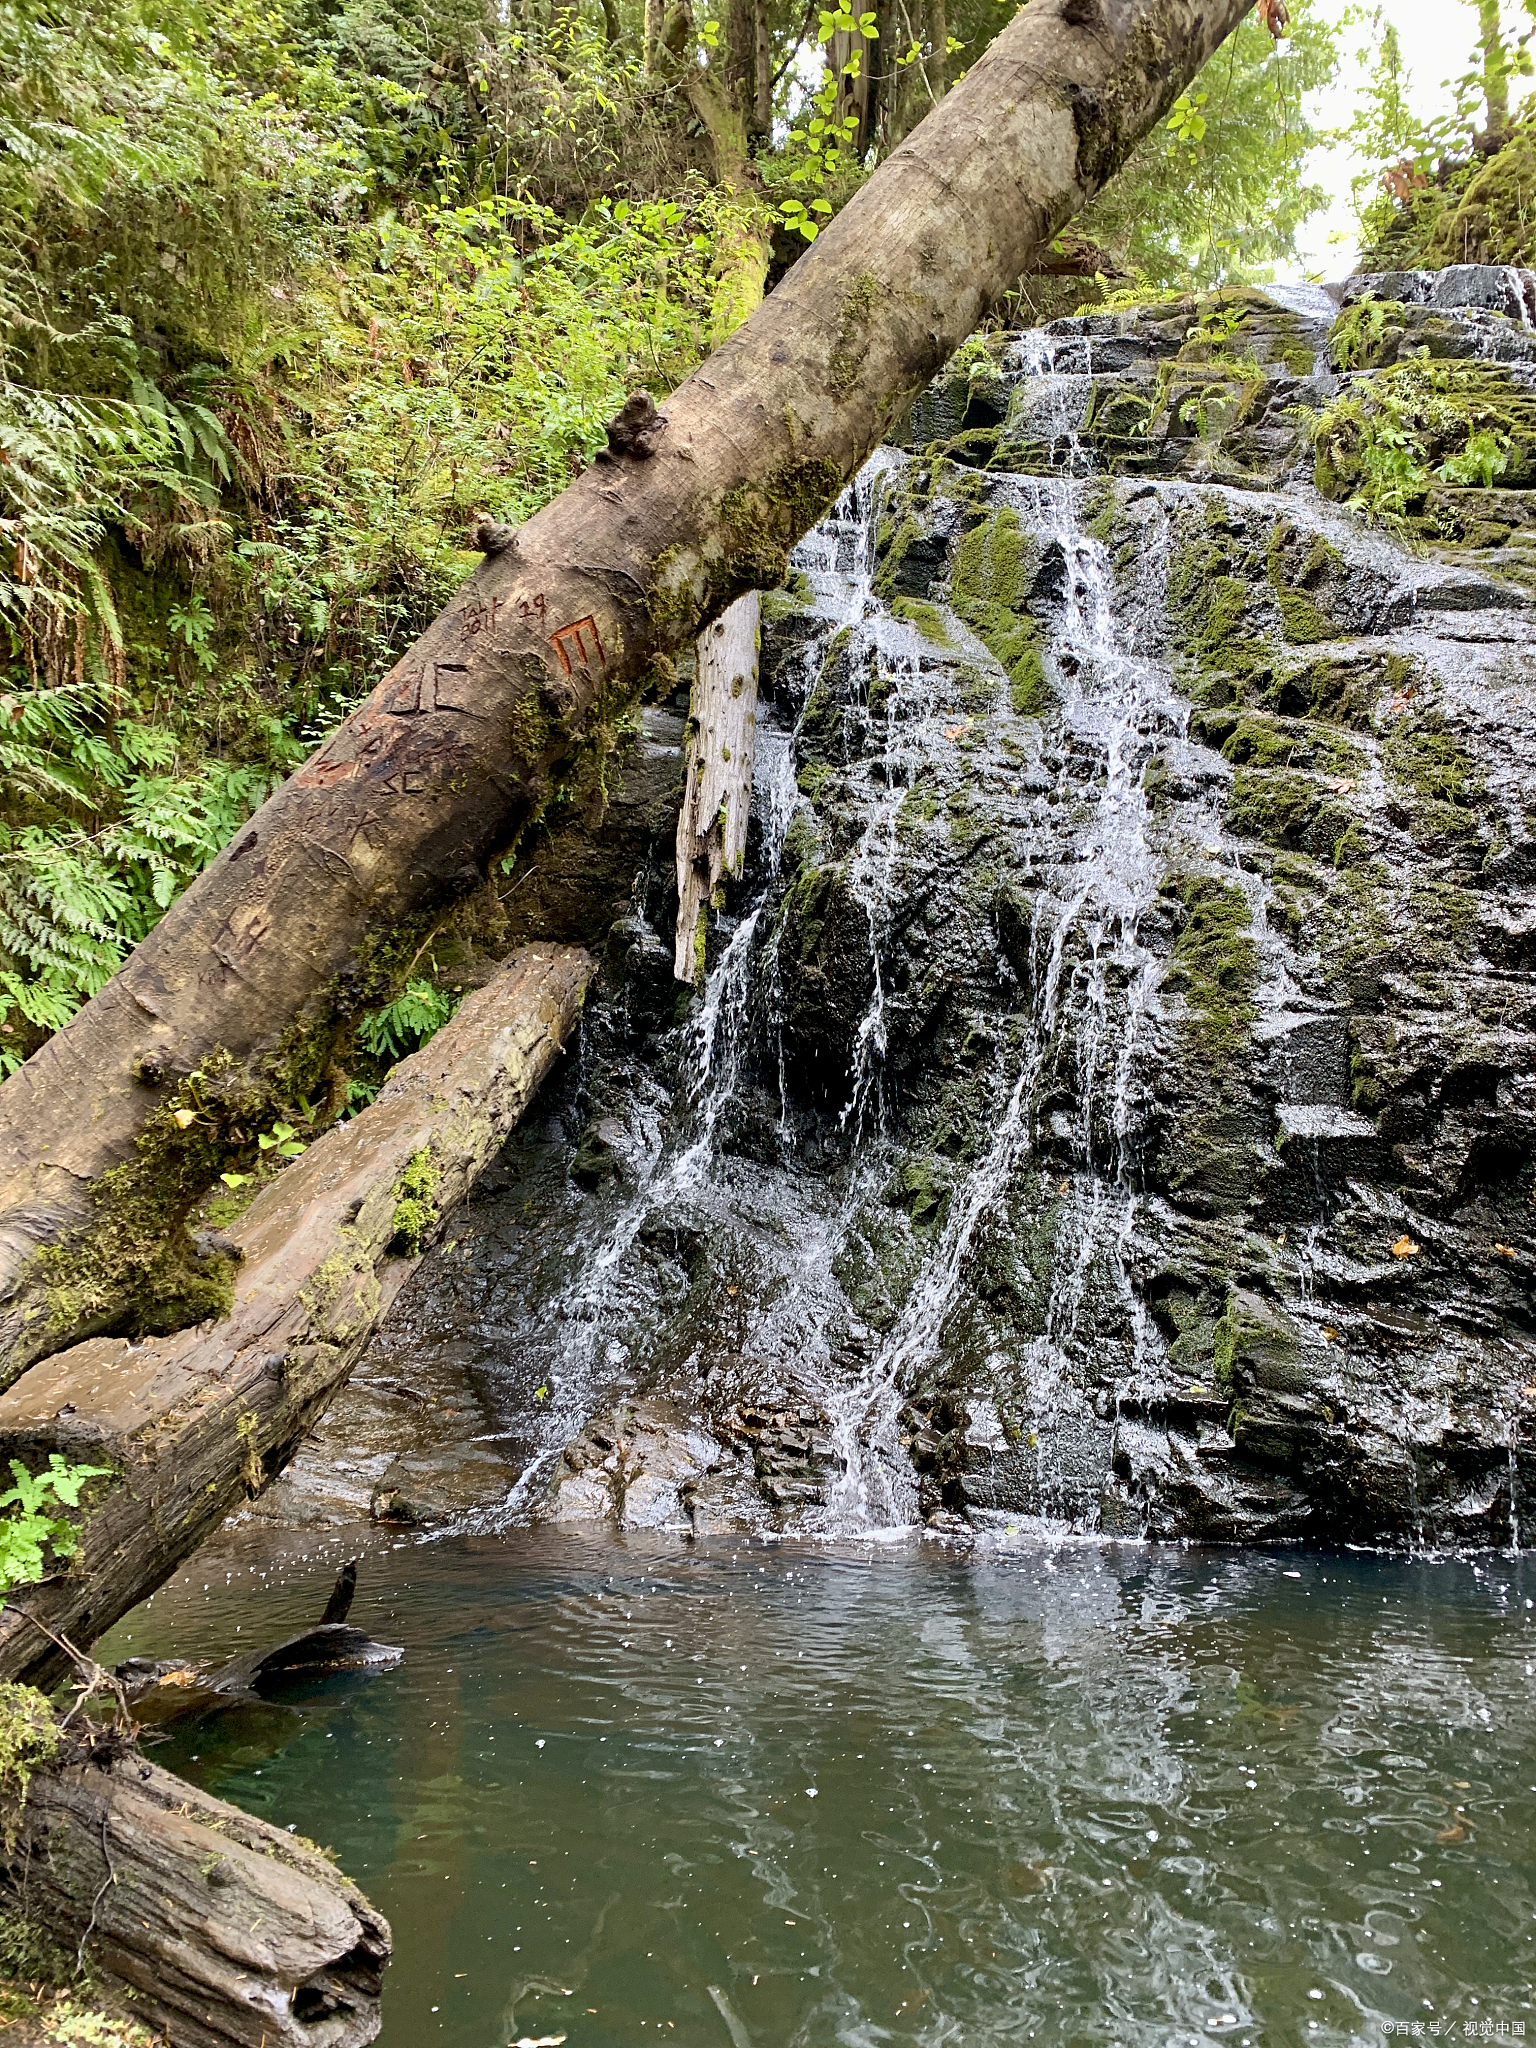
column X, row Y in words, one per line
column 195, row 1423
column 720, row 746
column 459, row 746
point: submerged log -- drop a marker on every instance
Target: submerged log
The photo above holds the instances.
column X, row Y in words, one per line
column 233, row 1933
column 195, row 1423
column 721, row 745
column 460, row 745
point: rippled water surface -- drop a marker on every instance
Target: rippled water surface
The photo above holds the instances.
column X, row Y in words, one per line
column 620, row 1793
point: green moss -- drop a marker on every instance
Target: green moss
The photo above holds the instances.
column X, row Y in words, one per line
column 1492, row 219
column 133, row 1269
column 529, row 724
column 1249, row 1343
column 812, row 777
column 673, row 599
column 415, row 1212
column 920, row 806
column 1100, row 509
column 29, row 1738
column 994, row 568
column 925, row 617
column 1286, row 810
column 1299, row 569
column 922, row 1189
column 859, row 303
column 1431, row 766
column 1261, row 741
column 802, row 843
column 892, row 546
column 1215, row 961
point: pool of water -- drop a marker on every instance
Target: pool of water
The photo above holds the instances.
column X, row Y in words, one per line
column 624, row 1792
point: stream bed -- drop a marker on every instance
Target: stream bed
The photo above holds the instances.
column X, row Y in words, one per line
column 625, row 1790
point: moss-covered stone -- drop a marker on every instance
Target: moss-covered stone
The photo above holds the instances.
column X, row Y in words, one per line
column 1215, row 962
column 1284, row 809
column 1492, row 219
column 989, row 587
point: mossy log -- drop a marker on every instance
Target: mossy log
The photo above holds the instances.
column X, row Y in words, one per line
column 462, row 742
column 232, row 1933
column 193, row 1424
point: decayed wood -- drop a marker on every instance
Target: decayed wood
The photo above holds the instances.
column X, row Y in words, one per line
column 196, row 1422
column 721, row 744
column 234, row 1934
column 459, row 745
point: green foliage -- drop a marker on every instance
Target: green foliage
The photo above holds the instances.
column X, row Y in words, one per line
column 1217, row 192
column 34, row 1527
column 1381, row 445
column 287, row 301
column 407, row 1023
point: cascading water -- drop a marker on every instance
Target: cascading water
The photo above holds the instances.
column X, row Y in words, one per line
column 1014, row 1132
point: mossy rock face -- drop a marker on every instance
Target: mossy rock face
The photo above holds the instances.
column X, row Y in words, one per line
column 997, row 569
column 827, row 972
column 1215, row 961
column 1494, row 218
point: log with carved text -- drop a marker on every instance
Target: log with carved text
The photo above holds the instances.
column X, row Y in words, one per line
column 554, row 636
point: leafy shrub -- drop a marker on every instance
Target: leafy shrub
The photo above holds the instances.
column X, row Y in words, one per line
column 31, row 1531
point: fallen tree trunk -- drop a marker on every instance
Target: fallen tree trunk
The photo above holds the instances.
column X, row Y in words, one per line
column 233, row 1934
column 460, row 745
column 193, row 1424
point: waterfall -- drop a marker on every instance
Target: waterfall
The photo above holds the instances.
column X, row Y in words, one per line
column 982, row 1183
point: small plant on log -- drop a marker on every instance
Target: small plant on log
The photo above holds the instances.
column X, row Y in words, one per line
column 31, row 1529
column 415, row 1203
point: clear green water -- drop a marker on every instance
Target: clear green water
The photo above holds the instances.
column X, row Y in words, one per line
column 711, row 1797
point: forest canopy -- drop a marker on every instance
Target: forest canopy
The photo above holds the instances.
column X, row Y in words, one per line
column 293, row 295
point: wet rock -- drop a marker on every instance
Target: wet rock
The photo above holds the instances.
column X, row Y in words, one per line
column 643, row 1465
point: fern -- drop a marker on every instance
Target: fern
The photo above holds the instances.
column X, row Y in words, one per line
column 407, row 1023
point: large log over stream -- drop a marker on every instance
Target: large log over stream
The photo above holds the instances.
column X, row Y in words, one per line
column 197, row 1422
column 460, row 744
column 233, row 1933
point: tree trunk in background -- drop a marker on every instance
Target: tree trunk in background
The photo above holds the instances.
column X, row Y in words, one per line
column 232, row 1933
column 761, row 122
column 521, row 678
column 1495, row 71
column 721, row 743
column 748, row 83
column 936, row 63
column 196, row 1423
column 651, row 47
column 858, row 97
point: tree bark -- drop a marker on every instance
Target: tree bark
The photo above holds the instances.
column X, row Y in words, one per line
column 233, row 1934
column 720, row 744
column 549, row 640
column 195, row 1423
column 1490, row 39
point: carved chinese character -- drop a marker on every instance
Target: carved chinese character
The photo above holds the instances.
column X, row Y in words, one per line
column 571, row 643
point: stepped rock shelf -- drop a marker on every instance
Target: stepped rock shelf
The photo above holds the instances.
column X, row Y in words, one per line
column 1113, row 1093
